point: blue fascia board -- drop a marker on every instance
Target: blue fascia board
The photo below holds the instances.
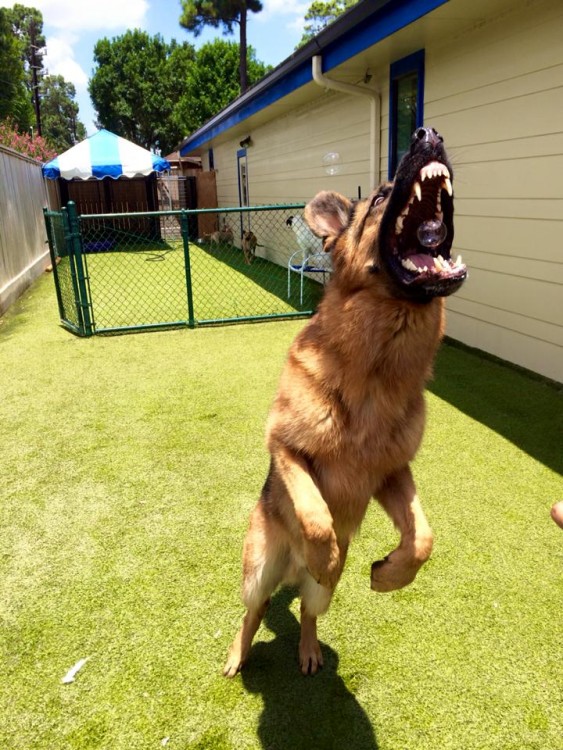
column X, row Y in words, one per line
column 291, row 82
column 384, row 22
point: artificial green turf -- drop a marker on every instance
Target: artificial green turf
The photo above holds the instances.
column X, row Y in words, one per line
column 129, row 467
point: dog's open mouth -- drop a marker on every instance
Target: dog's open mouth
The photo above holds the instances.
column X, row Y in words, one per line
column 423, row 231
column 417, row 228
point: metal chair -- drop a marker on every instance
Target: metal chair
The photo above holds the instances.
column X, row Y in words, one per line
column 303, row 264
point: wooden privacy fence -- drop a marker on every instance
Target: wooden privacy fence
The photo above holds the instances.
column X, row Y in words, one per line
column 23, row 251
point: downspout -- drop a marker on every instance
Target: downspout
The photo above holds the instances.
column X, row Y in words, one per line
column 375, row 110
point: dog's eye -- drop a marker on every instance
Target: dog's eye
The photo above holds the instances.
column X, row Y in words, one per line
column 378, row 200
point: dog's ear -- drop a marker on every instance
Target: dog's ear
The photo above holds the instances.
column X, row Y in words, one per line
column 328, row 214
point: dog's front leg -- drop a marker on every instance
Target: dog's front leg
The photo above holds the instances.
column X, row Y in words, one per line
column 399, row 499
column 310, row 513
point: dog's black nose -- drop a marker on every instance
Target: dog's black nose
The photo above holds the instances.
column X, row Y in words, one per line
column 427, row 135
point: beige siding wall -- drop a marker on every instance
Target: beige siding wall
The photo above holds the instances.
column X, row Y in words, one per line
column 23, row 252
column 285, row 162
column 497, row 96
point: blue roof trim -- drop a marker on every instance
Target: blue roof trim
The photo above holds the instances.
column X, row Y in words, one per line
column 382, row 23
column 272, row 94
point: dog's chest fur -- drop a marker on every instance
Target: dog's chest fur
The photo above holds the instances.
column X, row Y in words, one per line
column 353, row 389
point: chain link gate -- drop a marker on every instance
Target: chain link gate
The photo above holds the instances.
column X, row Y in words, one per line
column 135, row 271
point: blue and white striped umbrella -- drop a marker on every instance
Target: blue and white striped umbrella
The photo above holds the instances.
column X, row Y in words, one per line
column 104, row 155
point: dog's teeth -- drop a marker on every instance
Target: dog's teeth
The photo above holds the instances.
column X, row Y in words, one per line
column 448, row 186
column 441, row 264
column 418, row 190
column 408, row 264
column 399, row 224
column 434, row 169
column 458, row 261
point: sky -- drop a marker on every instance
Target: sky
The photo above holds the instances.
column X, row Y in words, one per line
column 72, row 27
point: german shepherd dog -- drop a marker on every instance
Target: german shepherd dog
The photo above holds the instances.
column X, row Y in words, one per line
column 349, row 413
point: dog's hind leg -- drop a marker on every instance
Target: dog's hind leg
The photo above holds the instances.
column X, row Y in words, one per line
column 399, row 499
column 265, row 560
column 315, row 600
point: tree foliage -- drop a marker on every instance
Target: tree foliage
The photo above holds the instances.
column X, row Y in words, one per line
column 137, row 84
column 14, row 99
column 27, row 26
column 225, row 14
column 155, row 93
column 212, row 82
column 22, row 47
column 320, row 14
column 60, row 113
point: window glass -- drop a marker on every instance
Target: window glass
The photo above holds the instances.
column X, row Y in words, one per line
column 407, row 88
column 405, row 105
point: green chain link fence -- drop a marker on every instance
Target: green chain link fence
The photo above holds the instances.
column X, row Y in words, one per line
column 126, row 272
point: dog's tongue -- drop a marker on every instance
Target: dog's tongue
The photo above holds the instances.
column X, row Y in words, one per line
column 422, row 260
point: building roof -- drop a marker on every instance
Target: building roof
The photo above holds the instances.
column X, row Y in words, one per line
column 359, row 28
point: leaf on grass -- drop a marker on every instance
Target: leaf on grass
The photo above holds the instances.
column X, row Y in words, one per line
column 71, row 674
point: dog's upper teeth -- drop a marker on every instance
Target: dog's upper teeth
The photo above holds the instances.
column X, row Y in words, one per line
column 417, row 190
column 434, row 169
column 448, row 186
column 399, row 224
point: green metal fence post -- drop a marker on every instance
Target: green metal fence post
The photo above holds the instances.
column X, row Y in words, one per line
column 76, row 245
column 186, row 243
column 53, row 255
column 72, row 266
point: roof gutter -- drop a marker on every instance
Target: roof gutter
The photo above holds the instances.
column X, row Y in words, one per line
column 375, row 112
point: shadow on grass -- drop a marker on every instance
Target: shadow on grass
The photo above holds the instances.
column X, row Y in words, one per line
column 302, row 713
column 523, row 408
column 269, row 276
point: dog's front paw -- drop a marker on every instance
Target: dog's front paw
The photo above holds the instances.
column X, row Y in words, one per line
column 399, row 568
column 386, row 575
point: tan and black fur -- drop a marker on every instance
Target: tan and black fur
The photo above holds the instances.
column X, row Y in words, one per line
column 348, row 416
column 249, row 242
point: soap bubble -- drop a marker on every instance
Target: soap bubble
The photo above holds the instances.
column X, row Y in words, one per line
column 331, row 163
column 431, row 233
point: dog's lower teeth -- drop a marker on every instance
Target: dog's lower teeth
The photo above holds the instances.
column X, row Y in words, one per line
column 409, row 265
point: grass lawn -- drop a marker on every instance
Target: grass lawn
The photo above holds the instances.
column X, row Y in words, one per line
column 129, row 467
